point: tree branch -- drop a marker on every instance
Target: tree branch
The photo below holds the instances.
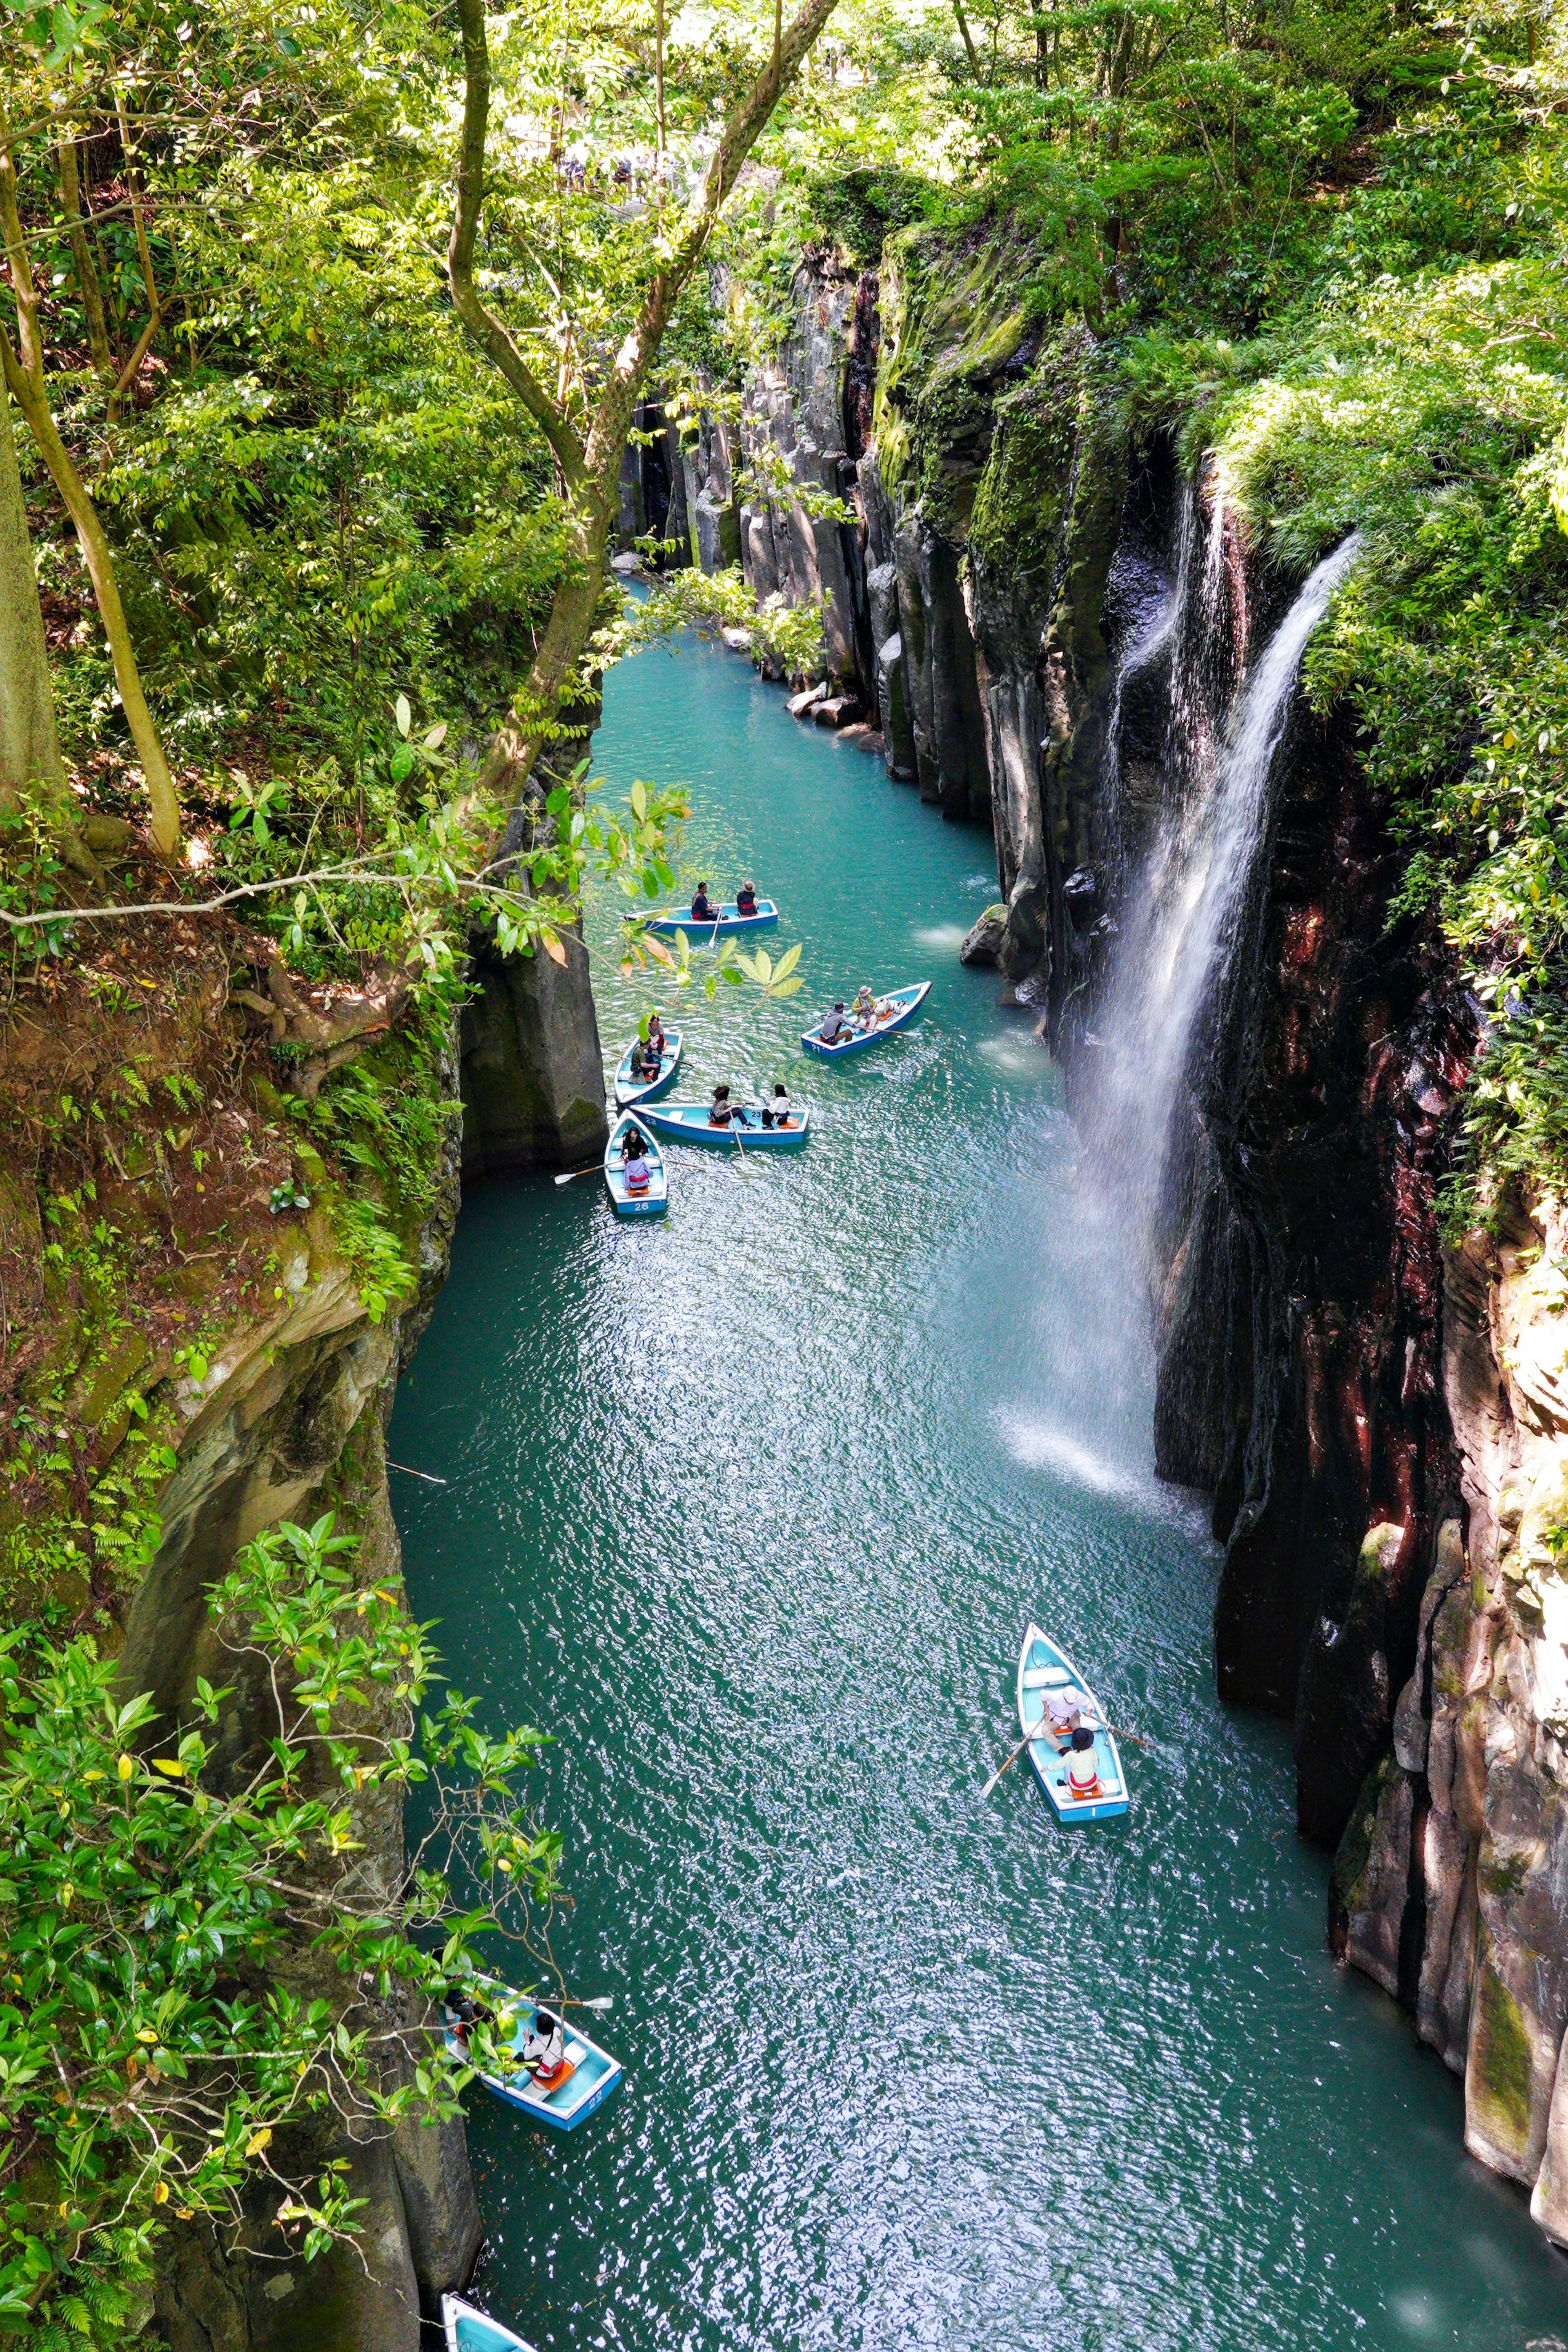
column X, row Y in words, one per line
column 486, row 330
column 81, row 254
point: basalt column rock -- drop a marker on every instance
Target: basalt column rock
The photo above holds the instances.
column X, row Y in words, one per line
column 1299, row 1371
column 532, row 1071
column 1451, row 1884
column 794, row 432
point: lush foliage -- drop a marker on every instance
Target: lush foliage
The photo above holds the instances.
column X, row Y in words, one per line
column 198, row 1962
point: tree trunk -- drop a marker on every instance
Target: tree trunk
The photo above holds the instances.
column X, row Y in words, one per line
column 30, row 769
column 23, row 370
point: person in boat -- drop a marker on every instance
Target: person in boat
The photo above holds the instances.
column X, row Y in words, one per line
column 703, row 910
column 1083, row 1774
column 864, row 1009
column 834, row 1027
column 721, row 1111
column 544, row 2043
column 776, row 1113
column 1065, row 1709
column 645, row 1061
column 746, row 899
column 466, row 2012
column 656, row 1044
column 633, row 1161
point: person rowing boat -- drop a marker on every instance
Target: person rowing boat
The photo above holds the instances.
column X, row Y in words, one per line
column 633, row 1161
column 703, row 910
column 645, row 1061
column 833, row 1025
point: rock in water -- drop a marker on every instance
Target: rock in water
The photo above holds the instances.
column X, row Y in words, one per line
column 983, row 943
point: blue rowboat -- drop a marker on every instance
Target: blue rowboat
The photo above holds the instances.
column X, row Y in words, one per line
column 1041, row 1666
column 732, row 924
column 894, row 1011
column 629, row 1090
column 628, row 1203
column 689, row 1123
column 589, row 2074
column 468, row 2330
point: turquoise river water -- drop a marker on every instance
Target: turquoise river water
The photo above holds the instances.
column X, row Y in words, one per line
column 749, row 1509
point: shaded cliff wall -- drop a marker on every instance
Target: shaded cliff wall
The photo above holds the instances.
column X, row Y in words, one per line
column 1382, row 1421
column 288, row 1421
column 1451, row 1884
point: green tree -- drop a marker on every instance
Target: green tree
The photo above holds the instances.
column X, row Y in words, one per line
column 197, row 1965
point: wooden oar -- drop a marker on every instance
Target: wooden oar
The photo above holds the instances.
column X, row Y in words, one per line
column 1011, row 1758
column 593, row 1168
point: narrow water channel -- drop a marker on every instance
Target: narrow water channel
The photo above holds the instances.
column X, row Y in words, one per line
column 749, row 1509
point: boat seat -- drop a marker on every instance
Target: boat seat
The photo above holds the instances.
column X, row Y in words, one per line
column 1045, row 1677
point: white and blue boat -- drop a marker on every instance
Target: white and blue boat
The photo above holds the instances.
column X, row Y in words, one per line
column 586, row 2077
column 730, row 923
column 625, row 1201
column 629, row 1090
column 689, row 1123
column 894, row 1011
column 1042, row 1665
column 467, row 2329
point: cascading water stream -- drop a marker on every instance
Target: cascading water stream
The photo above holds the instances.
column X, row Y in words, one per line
column 1185, row 906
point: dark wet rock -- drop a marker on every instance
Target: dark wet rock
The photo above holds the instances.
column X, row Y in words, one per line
column 532, row 1071
column 983, row 942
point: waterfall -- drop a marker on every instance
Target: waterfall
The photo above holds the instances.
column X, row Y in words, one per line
column 1184, row 907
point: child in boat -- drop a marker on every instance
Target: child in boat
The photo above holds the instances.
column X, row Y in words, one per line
column 543, row 2044
column 721, row 1111
column 776, row 1113
column 746, row 899
column 833, row 1026
column 1083, row 1776
column 703, row 910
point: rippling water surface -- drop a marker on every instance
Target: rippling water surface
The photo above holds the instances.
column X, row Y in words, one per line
column 750, row 1509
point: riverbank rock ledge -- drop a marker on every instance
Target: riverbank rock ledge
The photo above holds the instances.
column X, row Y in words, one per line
column 1382, row 1421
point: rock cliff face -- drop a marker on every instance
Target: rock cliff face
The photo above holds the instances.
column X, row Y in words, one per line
column 1451, row 1884
column 1383, row 1422
column 288, row 1421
